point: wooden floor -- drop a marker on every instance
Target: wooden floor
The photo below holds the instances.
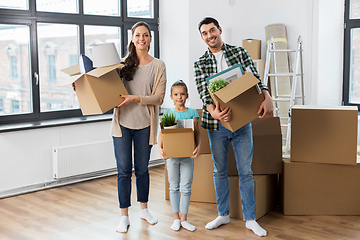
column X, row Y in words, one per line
column 90, row 210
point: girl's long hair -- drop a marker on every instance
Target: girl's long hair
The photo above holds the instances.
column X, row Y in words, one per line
column 131, row 61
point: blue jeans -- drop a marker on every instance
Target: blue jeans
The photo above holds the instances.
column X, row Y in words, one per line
column 123, row 155
column 180, row 176
column 242, row 143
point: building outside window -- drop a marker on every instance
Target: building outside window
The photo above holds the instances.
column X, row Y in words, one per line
column 351, row 87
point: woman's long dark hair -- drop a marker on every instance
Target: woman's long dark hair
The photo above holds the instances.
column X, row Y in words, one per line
column 131, row 62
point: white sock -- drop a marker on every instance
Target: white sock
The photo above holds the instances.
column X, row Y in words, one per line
column 176, row 225
column 220, row 220
column 123, row 225
column 188, row 226
column 255, row 227
column 145, row 214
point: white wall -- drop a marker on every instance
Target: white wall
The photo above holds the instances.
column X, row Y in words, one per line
column 319, row 22
column 25, row 156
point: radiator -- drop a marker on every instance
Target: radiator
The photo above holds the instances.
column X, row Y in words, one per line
column 81, row 159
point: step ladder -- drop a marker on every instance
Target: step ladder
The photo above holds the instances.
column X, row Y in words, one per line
column 296, row 71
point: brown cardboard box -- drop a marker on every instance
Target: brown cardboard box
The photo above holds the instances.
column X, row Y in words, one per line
column 202, row 188
column 243, row 98
column 265, row 195
column 253, row 47
column 324, row 134
column 205, row 145
column 267, row 144
column 320, row 189
column 98, row 90
column 260, row 67
column 179, row 142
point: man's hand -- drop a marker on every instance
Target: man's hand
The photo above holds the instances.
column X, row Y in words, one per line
column 216, row 113
column 266, row 107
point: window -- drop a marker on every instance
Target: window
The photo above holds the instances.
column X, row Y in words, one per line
column 351, row 87
column 38, row 38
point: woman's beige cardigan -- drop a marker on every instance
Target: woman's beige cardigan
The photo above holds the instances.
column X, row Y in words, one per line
column 154, row 100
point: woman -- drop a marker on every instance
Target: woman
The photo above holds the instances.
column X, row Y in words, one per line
column 135, row 121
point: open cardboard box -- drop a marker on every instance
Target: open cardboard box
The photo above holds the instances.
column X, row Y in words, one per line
column 243, row 97
column 98, row 90
column 178, row 142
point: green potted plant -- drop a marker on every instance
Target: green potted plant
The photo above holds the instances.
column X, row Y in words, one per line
column 168, row 121
column 217, row 84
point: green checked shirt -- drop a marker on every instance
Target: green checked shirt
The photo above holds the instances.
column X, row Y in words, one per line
column 206, row 66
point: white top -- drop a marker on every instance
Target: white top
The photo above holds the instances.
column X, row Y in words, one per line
column 220, row 61
column 134, row 115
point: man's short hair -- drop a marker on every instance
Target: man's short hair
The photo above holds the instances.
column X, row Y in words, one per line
column 208, row 20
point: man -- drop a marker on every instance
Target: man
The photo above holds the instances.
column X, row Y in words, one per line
column 219, row 57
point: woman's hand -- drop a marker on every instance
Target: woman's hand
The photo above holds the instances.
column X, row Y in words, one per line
column 129, row 99
column 73, row 86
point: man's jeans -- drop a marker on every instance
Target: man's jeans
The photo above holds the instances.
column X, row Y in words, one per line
column 123, row 155
column 242, row 143
column 180, row 176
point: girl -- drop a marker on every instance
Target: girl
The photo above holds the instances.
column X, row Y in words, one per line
column 180, row 170
column 135, row 121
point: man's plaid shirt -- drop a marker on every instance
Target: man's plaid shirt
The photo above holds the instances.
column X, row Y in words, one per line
column 206, row 66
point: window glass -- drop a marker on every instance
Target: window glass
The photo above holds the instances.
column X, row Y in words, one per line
column 101, row 34
column 59, row 6
column 18, row 4
column 140, row 8
column 103, row 7
column 354, row 76
column 15, row 80
column 152, row 46
column 56, row 42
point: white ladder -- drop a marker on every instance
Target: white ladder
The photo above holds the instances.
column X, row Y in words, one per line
column 293, row 75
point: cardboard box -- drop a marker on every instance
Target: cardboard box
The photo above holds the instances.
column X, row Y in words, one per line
column 260, row 67
column 243, row 98
column 253, row 46
column 324, row 134
column 205, row 144
column 98, row 90
column 265, row 195
column 267, row 148
column 320, row 189
column 179, row 142
column 202, row 188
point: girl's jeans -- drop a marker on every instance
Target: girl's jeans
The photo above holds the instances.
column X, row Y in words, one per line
column 180, row 175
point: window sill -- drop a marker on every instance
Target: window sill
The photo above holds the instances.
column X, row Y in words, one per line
column 54, row 123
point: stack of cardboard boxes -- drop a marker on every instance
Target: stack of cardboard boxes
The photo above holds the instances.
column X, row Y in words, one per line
column 322, row 175
column 253, row 47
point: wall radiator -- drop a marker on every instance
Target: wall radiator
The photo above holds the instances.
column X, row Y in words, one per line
column 69, row 161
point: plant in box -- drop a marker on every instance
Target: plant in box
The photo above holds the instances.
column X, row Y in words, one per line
column 168, row 121
column 217, row 84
